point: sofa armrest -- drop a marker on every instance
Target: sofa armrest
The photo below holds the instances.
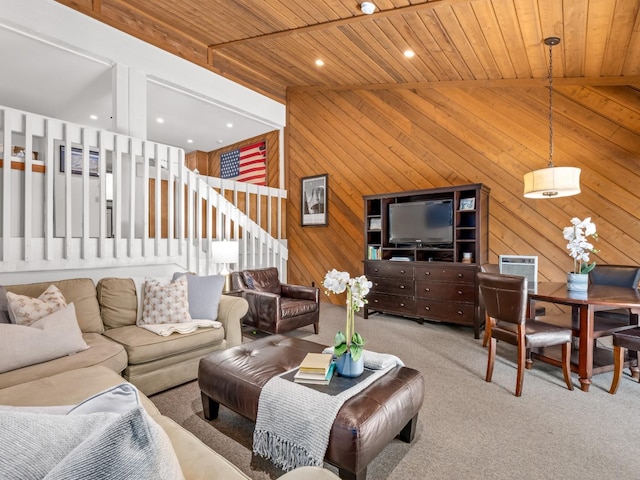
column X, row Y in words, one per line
column 231, row 310
column 302, row 292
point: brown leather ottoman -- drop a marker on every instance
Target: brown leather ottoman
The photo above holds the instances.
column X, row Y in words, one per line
column 365, row 424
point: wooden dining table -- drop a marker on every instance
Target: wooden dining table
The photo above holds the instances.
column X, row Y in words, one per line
column 589, row 360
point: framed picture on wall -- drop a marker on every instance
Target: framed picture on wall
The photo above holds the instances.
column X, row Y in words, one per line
column 314, row 201
column 76, row 161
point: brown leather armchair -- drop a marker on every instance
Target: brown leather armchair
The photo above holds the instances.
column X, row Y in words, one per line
column 276, row 307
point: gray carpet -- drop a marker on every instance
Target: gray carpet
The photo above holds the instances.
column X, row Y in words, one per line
column 467, row 428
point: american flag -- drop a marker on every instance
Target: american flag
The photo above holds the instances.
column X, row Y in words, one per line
column 245, row 164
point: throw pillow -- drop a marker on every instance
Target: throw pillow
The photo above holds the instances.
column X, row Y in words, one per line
column 24, row 310
column 118, row 399
column 204, row 294
column 53, row 336
column 165, row 301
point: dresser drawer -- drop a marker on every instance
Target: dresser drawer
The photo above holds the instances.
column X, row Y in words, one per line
column 389, row 269
column 391, row 303
column 446, row 274
column 464, row 313
column 462, row 292
column 396, row 286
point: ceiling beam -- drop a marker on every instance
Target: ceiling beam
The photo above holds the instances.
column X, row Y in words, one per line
column 633, row 81
column 342, row 21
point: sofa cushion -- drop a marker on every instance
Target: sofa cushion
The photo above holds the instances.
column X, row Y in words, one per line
column 204, row 294
column 165, row 301
column 292, row 307
column 25, row 310
column 101, row 351
column 263, row 280
column 69, row 387
column 144, row 346
column 50, row 337
column 79, row 291
column 118, row 301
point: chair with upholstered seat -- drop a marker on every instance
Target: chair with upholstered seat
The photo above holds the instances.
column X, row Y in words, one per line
column 276, row 307
column 606, row 320
column 504, row 298
column 629, row 339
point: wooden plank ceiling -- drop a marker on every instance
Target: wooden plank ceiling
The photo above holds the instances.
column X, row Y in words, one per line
column 272, row 45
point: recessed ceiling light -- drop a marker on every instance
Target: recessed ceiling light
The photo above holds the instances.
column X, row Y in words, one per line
column 160, row 120
column 93, row 117
column 367, row 8
column 319, row 62
column 230, row 125
column 189, row 141
column 409, row 53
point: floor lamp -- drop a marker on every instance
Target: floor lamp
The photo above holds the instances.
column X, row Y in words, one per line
column 225, row 252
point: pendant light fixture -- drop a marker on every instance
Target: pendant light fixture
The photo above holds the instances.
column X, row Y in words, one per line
column 552, row 182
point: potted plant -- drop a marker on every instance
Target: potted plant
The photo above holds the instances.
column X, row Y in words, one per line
column 348, row 346
column 579, row 248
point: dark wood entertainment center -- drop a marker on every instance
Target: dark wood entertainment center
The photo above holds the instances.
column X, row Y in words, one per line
column 428, row 282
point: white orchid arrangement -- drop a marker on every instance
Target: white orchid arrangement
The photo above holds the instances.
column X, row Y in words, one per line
column 357, row 289
column 579, row 247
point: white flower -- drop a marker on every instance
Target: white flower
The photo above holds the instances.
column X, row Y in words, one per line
column 578, row 246
column 357, row 289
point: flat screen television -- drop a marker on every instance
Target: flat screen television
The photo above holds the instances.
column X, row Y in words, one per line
column 427, row 223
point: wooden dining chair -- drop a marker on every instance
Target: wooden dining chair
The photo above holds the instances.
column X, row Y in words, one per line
column 629, row 339
column 504, row 298
column 488, row 268
column 607, row 320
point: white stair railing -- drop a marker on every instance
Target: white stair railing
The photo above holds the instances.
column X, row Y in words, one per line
column 110, row 200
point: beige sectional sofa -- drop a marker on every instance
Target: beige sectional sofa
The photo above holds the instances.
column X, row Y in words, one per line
column 106, row 314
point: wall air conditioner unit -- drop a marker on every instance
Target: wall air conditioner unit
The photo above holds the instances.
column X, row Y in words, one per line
column 522, row 266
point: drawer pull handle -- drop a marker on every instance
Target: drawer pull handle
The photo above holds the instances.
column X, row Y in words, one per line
column 427, row 289
column 375, row 301
column 403, row 272
column 402, row 305
column 375, row 270
column 460, row 275
column 460, row 312
column 459, row 292
column 376, row 284
column 427, row 273
column 401, row 287
column 427, row 308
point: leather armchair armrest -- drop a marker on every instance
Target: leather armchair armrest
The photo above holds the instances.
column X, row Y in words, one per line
column 231, row 310
column 301, row 291
column 264, row 308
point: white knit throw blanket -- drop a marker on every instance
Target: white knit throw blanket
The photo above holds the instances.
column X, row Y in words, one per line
column 294, row 421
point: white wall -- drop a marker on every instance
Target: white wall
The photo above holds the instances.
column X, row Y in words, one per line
column 47, row 19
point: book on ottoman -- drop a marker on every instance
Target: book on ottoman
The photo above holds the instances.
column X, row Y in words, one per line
column 315, row 378
column 316, row 363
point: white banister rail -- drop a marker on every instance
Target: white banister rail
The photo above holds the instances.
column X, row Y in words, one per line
column 56, row 214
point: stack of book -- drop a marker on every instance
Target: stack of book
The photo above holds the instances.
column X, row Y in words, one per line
column 316, row 368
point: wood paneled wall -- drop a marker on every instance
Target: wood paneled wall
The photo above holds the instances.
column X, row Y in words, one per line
column 376, row 141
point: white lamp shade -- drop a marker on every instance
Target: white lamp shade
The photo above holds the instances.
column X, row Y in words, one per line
column 552, row 182
column 224, row 251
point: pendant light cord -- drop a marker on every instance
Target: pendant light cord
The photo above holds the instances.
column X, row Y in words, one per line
column 550, row 106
